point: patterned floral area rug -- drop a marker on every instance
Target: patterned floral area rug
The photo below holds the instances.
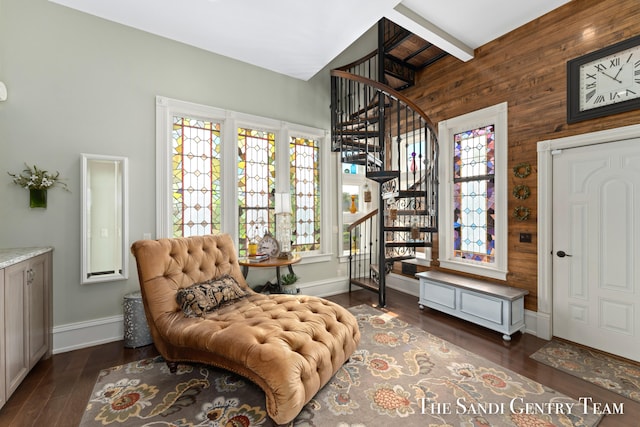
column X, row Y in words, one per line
column 593, row 366
column 399, row 375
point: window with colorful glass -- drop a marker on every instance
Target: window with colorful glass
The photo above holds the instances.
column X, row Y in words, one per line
column 256, row 184
column 473, row 195
column 304, row 157
column 261, row 157
column 195, row 160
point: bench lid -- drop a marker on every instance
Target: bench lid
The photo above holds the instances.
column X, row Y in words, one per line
column 502, row 291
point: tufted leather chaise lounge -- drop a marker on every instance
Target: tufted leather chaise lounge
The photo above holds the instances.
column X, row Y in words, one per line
column 289, row 345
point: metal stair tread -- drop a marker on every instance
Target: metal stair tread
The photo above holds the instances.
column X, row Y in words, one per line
column 407, row 212
column 373, row 106
column 365, row 282
column 409, row 228
column 360, row 133
column 407, row 243
column 382, row 175
column 359, row 146
column 404, row 194
column 399, row 258
column 360, row 121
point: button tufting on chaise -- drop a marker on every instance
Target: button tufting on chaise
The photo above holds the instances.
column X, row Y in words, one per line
column 289, row 345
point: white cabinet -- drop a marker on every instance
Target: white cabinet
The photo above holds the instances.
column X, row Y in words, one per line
column 494, row 306
column 26, row 304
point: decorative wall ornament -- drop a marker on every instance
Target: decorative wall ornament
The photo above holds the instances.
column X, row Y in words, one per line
column 521, row 213
column 37, row 181
column 521, row 191
column 367, row 193
column 522, row 170
column 353, row 208
column 393, row 209
column 38, row 198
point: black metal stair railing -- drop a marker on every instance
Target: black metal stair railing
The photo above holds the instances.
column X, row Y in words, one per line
column 377, row 127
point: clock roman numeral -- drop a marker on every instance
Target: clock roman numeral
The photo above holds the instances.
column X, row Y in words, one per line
column 629, row 91
column 591, row 85
column 614, row 95
column 590, row 95
column 600, row 67
column 599, row 99
column 591, row 76
column 614, row 62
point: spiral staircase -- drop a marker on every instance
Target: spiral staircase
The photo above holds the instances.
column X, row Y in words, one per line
column 375, row 126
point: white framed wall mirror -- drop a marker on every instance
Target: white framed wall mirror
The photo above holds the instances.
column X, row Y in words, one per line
column 104, row 212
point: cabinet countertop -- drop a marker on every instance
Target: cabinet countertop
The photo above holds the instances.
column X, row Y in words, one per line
column 12, row 256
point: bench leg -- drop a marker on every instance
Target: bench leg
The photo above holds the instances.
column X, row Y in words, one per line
column 173, row 367
column 506, row 337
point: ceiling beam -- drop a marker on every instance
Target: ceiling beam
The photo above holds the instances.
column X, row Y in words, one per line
column 419, row 26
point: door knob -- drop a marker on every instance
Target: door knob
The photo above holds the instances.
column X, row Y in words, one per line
column 562, row 254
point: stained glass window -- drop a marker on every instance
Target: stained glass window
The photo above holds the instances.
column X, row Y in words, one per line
column 195, row 158
column 256, row 183
column 223, row 169
column 474, row 196
column 305, row 178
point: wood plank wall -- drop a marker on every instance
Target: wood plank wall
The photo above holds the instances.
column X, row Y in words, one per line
column 527, row 69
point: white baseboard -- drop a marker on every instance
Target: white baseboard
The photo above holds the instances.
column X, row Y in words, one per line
column 544, row 327
column 325, row 288
column 404, row 284
column 74, row 336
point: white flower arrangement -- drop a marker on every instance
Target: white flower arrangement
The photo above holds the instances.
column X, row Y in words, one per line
column 37, row 179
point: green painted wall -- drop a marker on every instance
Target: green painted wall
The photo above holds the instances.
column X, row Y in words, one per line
column 80, row 84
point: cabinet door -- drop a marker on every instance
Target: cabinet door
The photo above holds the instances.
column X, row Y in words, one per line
column 15, row 327
column 36, row 307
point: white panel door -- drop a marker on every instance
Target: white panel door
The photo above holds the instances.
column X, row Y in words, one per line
column 596, row 246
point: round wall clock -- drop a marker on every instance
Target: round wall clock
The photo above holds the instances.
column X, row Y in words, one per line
column 269, row 245
column 604, row 82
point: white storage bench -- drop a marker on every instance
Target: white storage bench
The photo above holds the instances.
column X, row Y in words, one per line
column 496, row 307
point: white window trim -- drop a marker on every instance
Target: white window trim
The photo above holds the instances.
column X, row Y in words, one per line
column 496, row 115
column 167, row 108
column 358, row 180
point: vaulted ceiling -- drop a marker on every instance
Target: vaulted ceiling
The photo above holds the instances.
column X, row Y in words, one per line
column 300, row 37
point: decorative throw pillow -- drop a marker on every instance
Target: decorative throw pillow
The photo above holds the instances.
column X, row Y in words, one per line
column 202, row 298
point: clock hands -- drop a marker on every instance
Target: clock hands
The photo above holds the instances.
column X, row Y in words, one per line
column 613, row 78
column 618, row 73
column 620, row 69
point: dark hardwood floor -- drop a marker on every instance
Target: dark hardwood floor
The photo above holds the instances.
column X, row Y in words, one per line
column 55, row 393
